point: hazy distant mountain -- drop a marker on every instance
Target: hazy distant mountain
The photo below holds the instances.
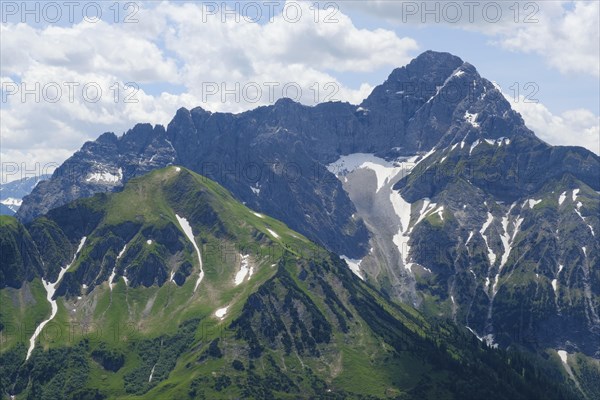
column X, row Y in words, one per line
column 12, row 193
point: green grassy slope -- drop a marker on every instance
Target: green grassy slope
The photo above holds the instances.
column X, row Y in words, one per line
column 301, row 326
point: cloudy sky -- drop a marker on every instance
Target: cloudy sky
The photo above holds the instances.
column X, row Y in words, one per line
column 71, row 71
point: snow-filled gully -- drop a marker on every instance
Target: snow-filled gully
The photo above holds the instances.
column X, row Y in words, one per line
column 187, row 229
column 50, row 290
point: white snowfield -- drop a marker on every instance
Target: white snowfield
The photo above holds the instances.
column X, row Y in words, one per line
column 487, row 223
column 187, row 229
column 488, row 339
column 105, row 177
column 574, row 195
column 221, row 312
column 532, row 202
column 11, row 201
column 563, row 356
column 387, row 172
column 151, row 373
column 354, row 266
column 402, row 209
column 473, row 145
column 244, row 270
column 273, row 233
column 114, row 271
column 471, row 119
column 50, row 290
column 562, row 198
column 384, row 170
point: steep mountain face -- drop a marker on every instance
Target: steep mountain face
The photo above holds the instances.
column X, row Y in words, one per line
column 12, row 193
column 450, row 203
column 101, row 166
column 273, row 158
column 518, row 265
column 255, row 310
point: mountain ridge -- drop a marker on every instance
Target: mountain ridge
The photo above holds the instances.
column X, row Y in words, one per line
column 472, row 196
column 298, row 322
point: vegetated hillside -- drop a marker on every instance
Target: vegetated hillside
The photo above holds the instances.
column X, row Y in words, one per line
column 263, row 313
column 484, row 223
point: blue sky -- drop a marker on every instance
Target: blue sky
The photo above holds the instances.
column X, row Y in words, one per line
column 185, row 54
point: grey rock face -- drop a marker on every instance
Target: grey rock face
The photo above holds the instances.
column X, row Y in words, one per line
column 490, row 258
column 272, row 158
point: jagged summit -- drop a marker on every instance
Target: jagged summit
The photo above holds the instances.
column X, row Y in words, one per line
column 433, row 190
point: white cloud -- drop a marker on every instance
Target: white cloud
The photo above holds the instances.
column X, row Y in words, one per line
column 172, row 46
column 573, row 127
column 569, row 41
column 565, row 33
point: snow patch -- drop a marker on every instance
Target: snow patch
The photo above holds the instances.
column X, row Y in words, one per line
column 11, row 201
column 471, row 119
column 239, row 277
column 574, row 194
column 105, row 177
column 403, row 210
column 50, row 290
column 121, row 252
column 440, row 212
column 354, row 266
column 221, row 312
column 563, row 356
column 425, row 210
column 592, row 230
column 562, row 198
column 274, row 234
column 488, row 339
column 385, row 171
column 258, row 215
column 487, row 223
column 111, row 278
column 475, row 143
column 149, row 242
column 151, row 373
column 506, row 238
column 469, row 238
column 531, row 203
column 187, row 229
